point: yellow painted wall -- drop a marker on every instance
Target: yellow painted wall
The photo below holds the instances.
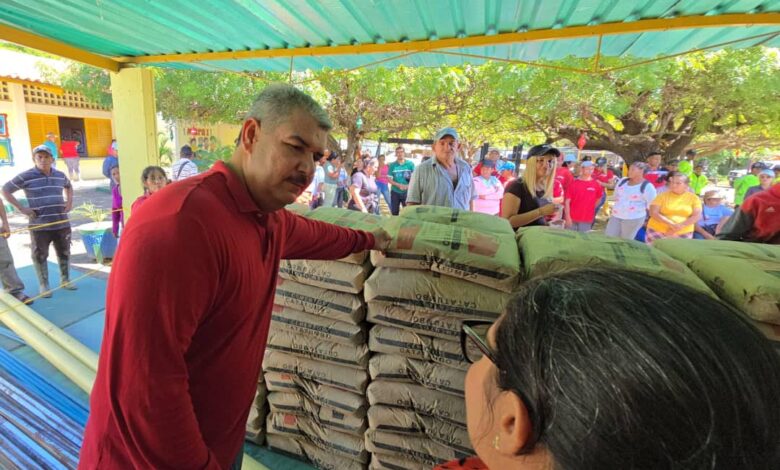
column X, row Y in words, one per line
column 41, row 124
column 225, row 133
column 99, row 136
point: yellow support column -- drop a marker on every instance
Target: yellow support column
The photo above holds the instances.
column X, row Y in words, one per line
column 135, row 121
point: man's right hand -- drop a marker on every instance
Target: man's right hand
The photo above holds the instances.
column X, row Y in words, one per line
column 382, row 239
column 28, row 212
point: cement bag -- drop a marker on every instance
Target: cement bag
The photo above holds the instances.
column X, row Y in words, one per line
column 307, row 451
column 752, row 286
column 417, row 398
column 465, row 252
column 400, row 421
column 395, row 462
column 438, row 325
column 333, row 275
column 342, row 400
column 256, row 417
column 295, row 208
column 772, row 332
column 349, row 219
column 417, row 448
column 297, row 322
column 746, row 275
column 318, row 301
column 431, row 292
column 688, row 251
column 345, row 378
column 261, row 393
column 337, row 443
column 428, row 374
column 388, row 340
column 546, row 251
column 349, row 355
column 255, row 436
column 448, row 216
column 298, row 404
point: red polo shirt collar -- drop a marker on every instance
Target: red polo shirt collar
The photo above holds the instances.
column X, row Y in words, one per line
column 237, row 188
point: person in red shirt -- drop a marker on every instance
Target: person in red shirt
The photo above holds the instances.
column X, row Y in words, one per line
column 191, row 291
column 70, row 153
column 581, row 199
column 563, row 175
column 604, row 176
column 655, row 173
column 757, row 220
column 494, row 155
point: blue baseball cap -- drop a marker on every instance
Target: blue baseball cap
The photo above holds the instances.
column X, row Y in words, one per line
column 445, row 132
column 42, row 149
column 586, row 164
column 506, row 166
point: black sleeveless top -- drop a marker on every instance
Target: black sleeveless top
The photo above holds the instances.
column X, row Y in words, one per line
column 528, row 201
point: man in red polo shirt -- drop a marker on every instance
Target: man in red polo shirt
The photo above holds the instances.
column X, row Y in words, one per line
column 191, row 291
column 757, row 220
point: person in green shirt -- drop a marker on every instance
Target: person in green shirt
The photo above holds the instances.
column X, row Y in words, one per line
column 399, row 173
column 741, row 185
column 686, row 165
column 699, row 180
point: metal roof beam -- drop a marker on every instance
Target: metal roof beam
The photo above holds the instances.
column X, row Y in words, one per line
column 574, row 32
column 51, row 46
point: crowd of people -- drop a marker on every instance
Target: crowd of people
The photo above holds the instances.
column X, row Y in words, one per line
column 652, row 201
column 182, row 348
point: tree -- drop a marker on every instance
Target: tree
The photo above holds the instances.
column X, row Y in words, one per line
column 726, row 99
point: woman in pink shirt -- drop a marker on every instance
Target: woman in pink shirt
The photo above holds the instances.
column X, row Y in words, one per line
column 489, row 190
column 382, row 182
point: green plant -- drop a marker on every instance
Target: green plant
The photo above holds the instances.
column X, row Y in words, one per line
column 91, row 211
column 206, row 158
column 164, row 149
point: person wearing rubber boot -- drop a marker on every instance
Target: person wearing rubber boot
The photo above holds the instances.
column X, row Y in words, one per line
column 50, row 198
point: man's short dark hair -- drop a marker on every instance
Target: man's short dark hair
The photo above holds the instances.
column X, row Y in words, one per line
column 652, row 154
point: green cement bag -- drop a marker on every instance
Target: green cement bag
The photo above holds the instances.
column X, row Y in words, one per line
column 473, row 248
column 448, row 216
column 349, row 219
column 547, row 251
column 745, row 275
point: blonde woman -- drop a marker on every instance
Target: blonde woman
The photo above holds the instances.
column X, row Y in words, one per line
column 528, row 200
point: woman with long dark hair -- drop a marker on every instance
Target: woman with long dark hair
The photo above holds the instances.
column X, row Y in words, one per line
column 654, row 375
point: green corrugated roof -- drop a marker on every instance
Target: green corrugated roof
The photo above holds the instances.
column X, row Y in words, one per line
column 153, row 27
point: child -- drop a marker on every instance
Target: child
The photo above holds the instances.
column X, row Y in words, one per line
column 489, row 190
column 153, row 179
column 581, row 199
column 117, row 214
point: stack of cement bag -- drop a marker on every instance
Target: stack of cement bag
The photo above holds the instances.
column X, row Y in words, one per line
column 745, row 275
column 316, row 362
column 547, row 251
column 255, row 424
column 443, row 266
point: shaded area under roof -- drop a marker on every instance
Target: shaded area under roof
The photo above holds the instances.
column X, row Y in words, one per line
column 265, row 34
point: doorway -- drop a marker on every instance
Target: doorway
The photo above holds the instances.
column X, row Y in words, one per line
column 73, row 129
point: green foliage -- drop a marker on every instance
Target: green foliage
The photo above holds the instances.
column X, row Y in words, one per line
column 164, row 149
column 91, row 211
column 709, row 101
column 207, row 158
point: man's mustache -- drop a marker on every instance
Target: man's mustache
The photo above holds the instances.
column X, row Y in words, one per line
column 300, row 179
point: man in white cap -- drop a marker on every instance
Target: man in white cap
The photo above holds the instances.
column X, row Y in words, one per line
column 444, row 180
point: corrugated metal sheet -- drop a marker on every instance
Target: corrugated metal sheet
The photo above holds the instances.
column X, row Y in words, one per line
column 40, row 427
column 153, row 27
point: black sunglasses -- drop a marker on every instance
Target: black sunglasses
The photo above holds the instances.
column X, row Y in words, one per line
column 473, row 341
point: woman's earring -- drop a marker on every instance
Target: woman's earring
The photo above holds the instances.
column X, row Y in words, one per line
column 495, row 442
